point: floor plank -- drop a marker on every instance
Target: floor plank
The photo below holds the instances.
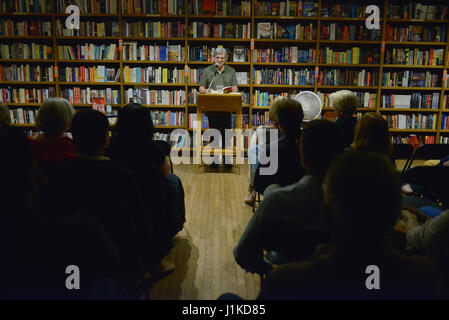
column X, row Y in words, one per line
column 216, row 217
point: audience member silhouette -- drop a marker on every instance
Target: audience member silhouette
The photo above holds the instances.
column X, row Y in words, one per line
column 345, row 103
column 161, row 193
column 94, row 185
column 36, row 250
column 289, row 169
column 291, row 219
column 363, row 196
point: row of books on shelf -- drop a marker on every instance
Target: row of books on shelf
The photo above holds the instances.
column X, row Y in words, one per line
column 410, row 79
column 89, row 74
column 353, row 32
column 349, row 56
column 414, row 57
column 153, row 97
column 299, row 8
column 446, row 102
column 89, row 52
column 32, row 6
column 347, row 10
column 220, row 30
column 244, row 120
column 206, row 53
column 169, row 52
column 279, row 76
column 444, row 121
column 154, row 29
column 26, row 73
column 411, row 121
column 220, row 7
column 85, row 95
column 10, row 27
column 23, row 116
column 414, row 100
column 89, row 28
column 90, row 6
column 26, row 95
column 154, row 75
column 285, row 54
column 152, row 6
column 308, row 8
column 167, row 118
column 365, row 99
column 417, row 33
column 444, row 139
column 417, row 10
column 335, row 77
column 275, row 30
column 414, row 140
column 260, row 118
column 265, row 99
column 20, row 50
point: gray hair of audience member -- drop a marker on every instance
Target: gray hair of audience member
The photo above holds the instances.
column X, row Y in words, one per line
column 220, row 50
column 55, row 116
column 272, row 114
column 362, row 191
column 345, row 102
column 4, row 115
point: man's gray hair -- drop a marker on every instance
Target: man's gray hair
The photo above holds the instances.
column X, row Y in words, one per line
column 221, row 50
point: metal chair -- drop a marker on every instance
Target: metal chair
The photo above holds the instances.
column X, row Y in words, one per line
column 402, row 152
column 429, row 151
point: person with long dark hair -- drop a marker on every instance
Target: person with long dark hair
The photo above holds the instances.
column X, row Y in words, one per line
column 162, row 194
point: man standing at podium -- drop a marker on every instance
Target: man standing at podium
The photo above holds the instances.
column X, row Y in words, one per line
column 214, row 79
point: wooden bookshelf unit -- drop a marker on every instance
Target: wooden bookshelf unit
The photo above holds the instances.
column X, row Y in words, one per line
column 327, row 40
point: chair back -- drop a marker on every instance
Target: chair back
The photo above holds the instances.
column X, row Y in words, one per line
column 433, row 180
column 402, row 151
column 430, row 151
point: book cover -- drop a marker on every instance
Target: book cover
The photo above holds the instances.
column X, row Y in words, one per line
column 98, row 103
column 239, row 54
column 263, row 30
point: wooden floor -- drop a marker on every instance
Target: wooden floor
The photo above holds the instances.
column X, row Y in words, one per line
column 216, row 217
column 203, row 254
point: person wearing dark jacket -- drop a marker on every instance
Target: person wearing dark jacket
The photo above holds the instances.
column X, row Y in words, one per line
column 161, row 193
column 289, row 169
column 345, row 103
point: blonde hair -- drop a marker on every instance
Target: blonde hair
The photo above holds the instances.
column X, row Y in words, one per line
column 344, row 101
column 55, row 116
column 372, row 134
column 4, row 114
column 272, row 114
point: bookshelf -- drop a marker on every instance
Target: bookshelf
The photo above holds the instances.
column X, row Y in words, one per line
column 161, row 47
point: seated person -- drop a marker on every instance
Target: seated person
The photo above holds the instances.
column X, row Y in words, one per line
column 5, row 118
column 258, row 141
column 93, row 185
column 360, row 224
column 345, row 103
column 372, row 135
column 160, row 192
column 289, row 169
column 54, row 119
column 36, row 250
column 431, row 238
column 291, row 219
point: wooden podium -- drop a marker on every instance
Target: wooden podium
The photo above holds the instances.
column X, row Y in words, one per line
column 227, row 102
